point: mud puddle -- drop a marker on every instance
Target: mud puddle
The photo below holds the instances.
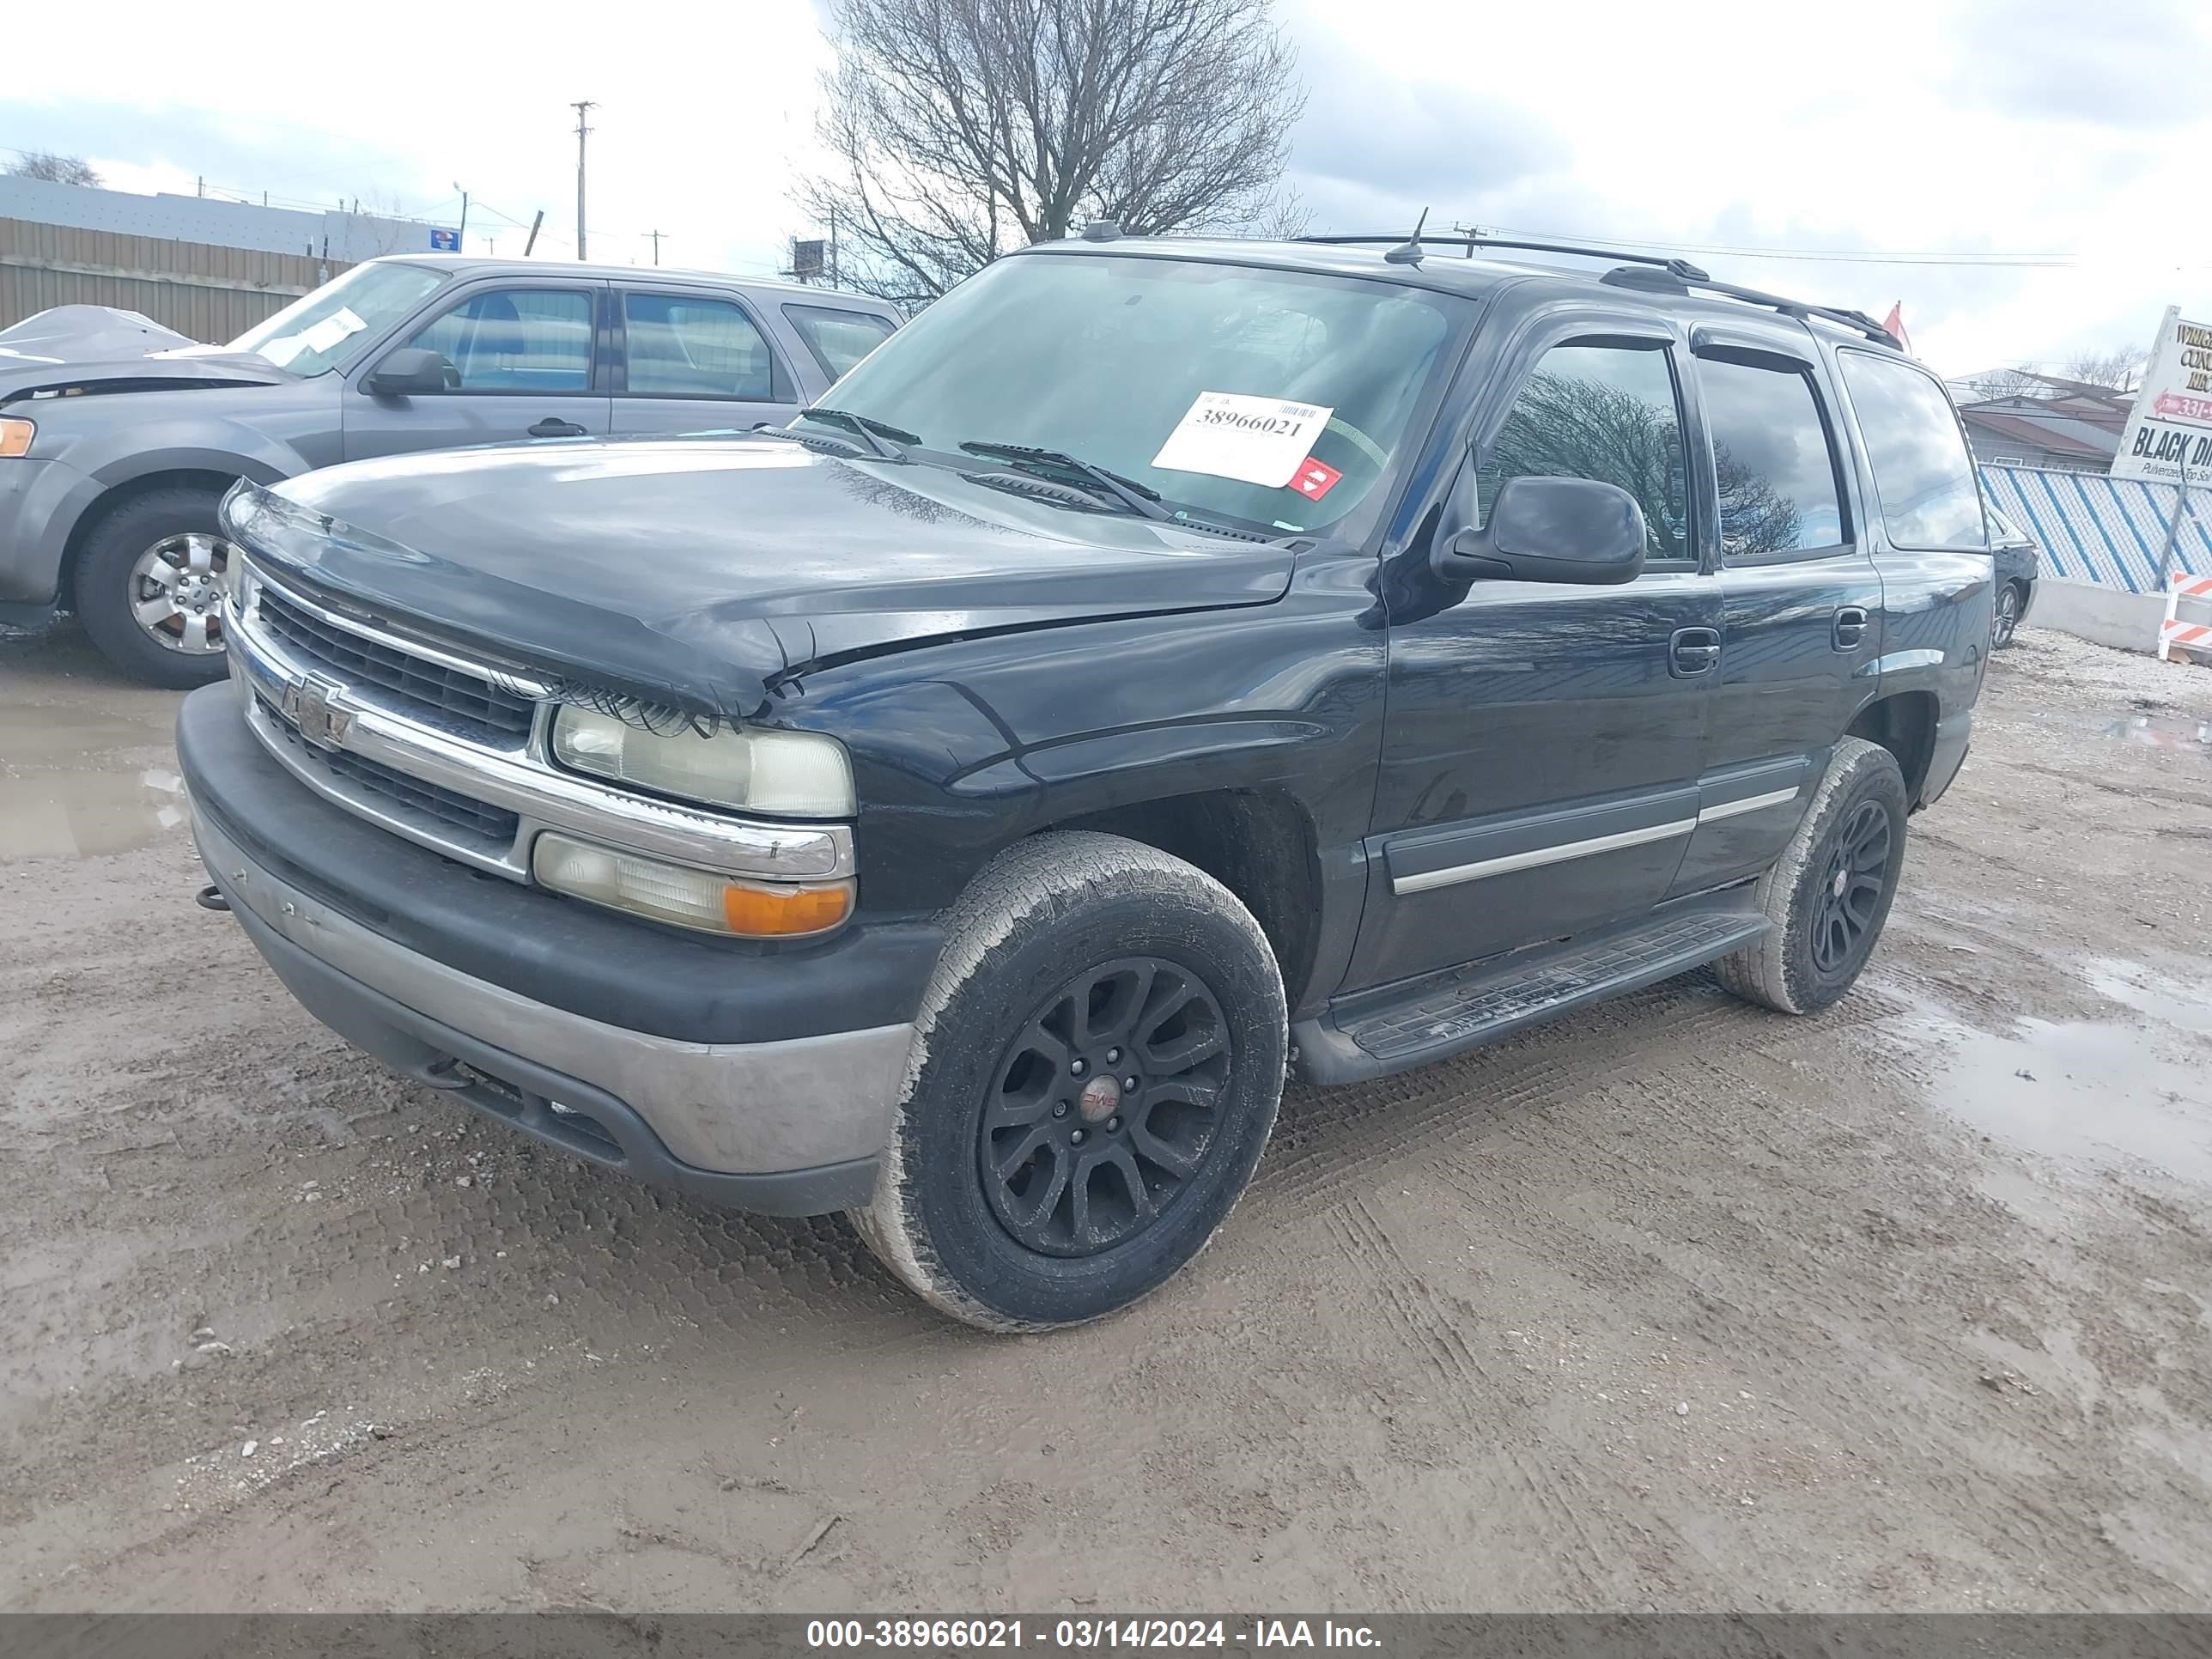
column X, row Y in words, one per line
column 89, row 814
column 89, row 772
column 2084, row 1092
column 2161, row 731
column 2107, row 1095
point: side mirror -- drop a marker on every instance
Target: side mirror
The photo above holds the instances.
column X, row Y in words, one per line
column 408, row 372
column 1550, row 530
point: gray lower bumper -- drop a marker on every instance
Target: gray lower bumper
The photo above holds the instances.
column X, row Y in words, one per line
column 788, row 1128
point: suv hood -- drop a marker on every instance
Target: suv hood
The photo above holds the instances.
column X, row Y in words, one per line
column 95, row 348
column 699, row 572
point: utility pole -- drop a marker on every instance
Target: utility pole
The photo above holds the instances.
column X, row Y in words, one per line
column 537, row 220
column 461, row 236
column 582, row 105
column 656, row 244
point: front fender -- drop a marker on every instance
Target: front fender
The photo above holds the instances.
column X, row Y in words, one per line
column 184, row 446
column 962, row 747
column 110, row 452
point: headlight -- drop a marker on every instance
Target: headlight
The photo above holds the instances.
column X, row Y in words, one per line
column 677, row 894
column 15, row 436
column 795, row 775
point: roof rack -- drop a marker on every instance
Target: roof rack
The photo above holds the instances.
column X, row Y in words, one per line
column 1680, row 268
column 1669, row 283
column 1650, row 271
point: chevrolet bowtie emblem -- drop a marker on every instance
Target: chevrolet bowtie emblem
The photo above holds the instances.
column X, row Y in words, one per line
column 317, row 707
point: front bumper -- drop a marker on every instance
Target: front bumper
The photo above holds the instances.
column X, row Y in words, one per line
column 786, row 1125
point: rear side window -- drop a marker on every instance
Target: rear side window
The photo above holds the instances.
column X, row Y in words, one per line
column 837, row 337
column 1606, row 412
column 686, row 347
column 1922, row 471
column 515, row 339
column 1772, row 454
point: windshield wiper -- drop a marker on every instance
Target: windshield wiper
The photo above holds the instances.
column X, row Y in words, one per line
column 879, row 435
column 1145, row 503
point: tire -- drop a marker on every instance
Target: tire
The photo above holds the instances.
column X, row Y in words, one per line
column 162, row 546
column 1805, row 964
column 977, row 1213
column 2006, row 621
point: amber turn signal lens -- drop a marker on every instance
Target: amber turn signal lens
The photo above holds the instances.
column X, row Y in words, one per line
column 785, row 912
column 15, row 437
column 686, row 896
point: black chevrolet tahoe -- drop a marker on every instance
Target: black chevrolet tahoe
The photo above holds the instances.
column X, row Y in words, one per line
column 1166, row 666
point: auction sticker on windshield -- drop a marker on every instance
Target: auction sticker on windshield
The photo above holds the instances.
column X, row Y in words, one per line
column 1256, row 440
column 341, row 323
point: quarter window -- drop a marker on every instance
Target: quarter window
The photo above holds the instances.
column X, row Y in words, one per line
column 1922, row 471
column 685, row 346
column 837, row 337
column 518, row 339
column 1606, row 412
column 1775, row 465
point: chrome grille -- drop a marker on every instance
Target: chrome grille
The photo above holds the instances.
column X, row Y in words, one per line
column 448, row 750
column 490, row 825
column 462, row 699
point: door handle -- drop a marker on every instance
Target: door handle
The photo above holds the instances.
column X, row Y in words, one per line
column 1693, row 651
column 554, row 427
column 1850, row 632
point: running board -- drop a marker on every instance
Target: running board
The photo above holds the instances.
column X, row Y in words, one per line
column 1433, row 1018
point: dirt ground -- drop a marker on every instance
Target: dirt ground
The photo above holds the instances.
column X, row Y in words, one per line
column 1673, row 1305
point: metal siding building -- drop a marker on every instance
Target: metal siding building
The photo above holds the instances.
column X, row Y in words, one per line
column 206, row 267
column 321, row 233
column 209, row 293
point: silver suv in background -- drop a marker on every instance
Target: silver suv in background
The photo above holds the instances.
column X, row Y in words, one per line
column 116, row 444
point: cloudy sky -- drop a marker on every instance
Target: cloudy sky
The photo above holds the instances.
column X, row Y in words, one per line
column 2023, row 174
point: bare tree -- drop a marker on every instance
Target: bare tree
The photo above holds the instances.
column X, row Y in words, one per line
column 54, row 168
column 1283, row 218
column 962, row 128
column 1997, row 383
column 2119, row 369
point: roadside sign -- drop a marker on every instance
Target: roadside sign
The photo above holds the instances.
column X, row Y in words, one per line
column 445, row 241
column 2171, row 427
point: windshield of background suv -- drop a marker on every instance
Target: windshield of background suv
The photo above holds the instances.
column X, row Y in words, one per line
column 1276, row 397
column 327, row 329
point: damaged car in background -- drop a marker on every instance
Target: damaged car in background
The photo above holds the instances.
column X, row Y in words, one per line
column 118, row 437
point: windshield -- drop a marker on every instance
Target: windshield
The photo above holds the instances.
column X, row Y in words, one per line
column 1275, row 398
column 327, row 329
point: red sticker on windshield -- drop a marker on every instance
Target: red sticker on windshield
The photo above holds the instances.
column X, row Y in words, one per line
column 1314, row 479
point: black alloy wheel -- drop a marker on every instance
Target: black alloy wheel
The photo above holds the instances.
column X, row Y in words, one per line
column 1851, row 897
column 1103, row 1108
column 2007, row 621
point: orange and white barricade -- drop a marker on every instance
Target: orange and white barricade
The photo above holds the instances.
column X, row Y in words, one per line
column 2173, row 631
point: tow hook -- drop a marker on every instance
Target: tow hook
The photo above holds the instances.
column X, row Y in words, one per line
column 210, row 898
